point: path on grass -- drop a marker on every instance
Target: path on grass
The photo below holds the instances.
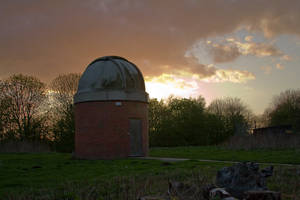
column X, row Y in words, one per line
column 217, row 161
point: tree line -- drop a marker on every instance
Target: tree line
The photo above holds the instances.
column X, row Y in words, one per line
column 180, row 122
column 34, row 111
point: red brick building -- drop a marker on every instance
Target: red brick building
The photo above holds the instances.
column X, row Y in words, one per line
column 111, row 111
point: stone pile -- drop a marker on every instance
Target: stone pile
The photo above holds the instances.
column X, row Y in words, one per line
column 243, row 177
column 242, row 181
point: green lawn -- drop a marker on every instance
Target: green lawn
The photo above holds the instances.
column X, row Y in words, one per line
column 25, row 172
column 58, row 176
column 288, row 156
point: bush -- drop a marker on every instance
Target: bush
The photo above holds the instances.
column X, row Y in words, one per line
column 266, row 141
column 10, row 146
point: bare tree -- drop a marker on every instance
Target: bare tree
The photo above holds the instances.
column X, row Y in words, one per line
column 63, row 89
column 233, row 111
column 20, row 98
column 229, row 107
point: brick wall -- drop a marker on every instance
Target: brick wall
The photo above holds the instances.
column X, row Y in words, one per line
column 102, row 128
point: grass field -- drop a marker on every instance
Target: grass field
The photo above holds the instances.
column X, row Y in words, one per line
column 287, row 156
column 58, row 176
column 29, row 173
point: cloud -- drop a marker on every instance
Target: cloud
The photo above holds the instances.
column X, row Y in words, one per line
column 286, row 58
column 50, row 37
column 278, row 18
column 223, row 53
column 178, row 81
column 266, row 69
column 258, row 49
column 249, row 38
column 230, row 75
column 230, row 49
column 230, row 39
column 188, row 67
column 194, row 67
column 279, row 66
column 207, row 73
column 170, row 84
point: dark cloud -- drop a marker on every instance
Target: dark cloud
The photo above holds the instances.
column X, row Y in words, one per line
column 49, row 37
column 232, row 49
column 224, row 53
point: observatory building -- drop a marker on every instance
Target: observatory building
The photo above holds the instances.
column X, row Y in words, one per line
column 111, row 111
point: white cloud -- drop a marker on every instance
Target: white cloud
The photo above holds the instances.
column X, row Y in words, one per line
column 230, row 75
column 258, row 49
column 163, row 86
column 266, row 69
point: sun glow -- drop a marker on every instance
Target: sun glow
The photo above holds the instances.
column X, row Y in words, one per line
column 163, row 86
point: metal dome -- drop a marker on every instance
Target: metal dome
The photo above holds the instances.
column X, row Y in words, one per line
column 111, row 78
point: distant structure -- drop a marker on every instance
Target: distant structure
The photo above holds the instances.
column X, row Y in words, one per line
column 111, row 111
column 273, row 130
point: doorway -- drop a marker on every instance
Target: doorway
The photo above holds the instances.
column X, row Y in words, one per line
column 136, row 139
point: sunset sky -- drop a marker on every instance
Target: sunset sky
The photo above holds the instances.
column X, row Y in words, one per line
column 214, row 48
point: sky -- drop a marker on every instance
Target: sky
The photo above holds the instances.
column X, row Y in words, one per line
column 214, row 48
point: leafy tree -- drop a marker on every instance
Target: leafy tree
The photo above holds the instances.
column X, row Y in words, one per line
column 63, row 89
column 157, row 113
column 215, row 127
column 285, row 109
column 187, row 117
column 177, row 122
column 181, row 121
column 20, row 99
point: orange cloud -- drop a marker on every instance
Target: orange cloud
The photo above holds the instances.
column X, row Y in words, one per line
column 47, row 38
column 286, row 58
column 279, row 66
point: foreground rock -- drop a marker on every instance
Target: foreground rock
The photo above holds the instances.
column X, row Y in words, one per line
column 242, row 177
column 240, row 181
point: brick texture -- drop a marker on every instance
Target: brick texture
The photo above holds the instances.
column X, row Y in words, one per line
column 102, row 128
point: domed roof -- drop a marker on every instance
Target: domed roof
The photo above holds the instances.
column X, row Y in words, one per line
column 111, row 78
